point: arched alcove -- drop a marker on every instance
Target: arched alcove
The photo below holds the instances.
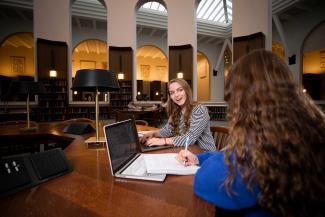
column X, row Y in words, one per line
column 89, row 39
column 313, row 62
column 88, row 54
column 278, row 49
column 203, row 77
column 17, row 61
column 214, row 32
column 17, row 55
column 152, row 72
column 151, row 61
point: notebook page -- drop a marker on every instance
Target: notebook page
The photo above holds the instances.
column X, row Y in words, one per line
column 167, row 164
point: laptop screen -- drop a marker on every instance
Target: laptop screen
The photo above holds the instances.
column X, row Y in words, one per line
column 121, row 142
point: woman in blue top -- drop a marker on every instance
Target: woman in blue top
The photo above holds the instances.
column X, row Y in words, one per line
column 187, row 119
column 274, row 164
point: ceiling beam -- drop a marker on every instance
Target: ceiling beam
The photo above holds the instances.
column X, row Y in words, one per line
column 278, row 26
column 87, row 47
column 226, row 43
column 97, row 47
column 226, row 11
column 21, row 41
column 11, row 43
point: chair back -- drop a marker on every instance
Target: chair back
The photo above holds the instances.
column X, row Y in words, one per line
column 141, row 122
column 220, row 135
column 18, row 122
column 121, row 116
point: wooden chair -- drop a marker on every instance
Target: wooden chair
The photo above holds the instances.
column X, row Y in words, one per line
column 18, row 122
column 121, row 116
column 141, row 122
column 220, row 135
column 79, row 120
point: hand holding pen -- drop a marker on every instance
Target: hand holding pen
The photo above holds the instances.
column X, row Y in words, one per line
column 185, row 152
column 186, row 157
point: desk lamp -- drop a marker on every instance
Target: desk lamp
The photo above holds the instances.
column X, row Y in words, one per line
column 95, row 80
column 26, row 88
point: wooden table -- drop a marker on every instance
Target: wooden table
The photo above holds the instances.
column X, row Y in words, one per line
column 90, row 190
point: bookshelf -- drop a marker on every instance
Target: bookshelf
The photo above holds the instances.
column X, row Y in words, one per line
column 119, row 100
column 217, row 112
column 88, row 111
column 52, row 105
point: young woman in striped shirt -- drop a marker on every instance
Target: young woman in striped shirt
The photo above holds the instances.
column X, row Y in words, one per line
column 188, row 121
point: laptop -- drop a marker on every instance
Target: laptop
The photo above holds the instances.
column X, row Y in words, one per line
column 124, row 155
column 143, row 147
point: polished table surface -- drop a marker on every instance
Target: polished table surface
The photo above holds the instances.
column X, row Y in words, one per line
column 90, row 190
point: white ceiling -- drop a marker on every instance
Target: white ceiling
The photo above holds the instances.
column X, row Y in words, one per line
column 213, row 19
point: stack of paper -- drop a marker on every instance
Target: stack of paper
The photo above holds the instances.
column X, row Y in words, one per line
column 167, row 164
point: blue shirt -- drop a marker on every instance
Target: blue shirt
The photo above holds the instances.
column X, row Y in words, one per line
column 209, row 185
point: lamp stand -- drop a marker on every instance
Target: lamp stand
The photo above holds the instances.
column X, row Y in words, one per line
column 28, row 128
column 96, row 140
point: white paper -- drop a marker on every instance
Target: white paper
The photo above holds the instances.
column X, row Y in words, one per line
column 167, row 164
column 141, row 133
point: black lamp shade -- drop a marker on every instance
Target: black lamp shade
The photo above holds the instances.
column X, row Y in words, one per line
column 95, row 79
column 25, row 87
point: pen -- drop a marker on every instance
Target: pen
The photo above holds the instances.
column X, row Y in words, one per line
column 186, row 146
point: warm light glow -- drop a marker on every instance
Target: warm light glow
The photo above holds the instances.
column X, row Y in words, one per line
column 75, row 92
column 180, row 75
column 304, row 90
column 53, row 73
column 157, row 93
column 139, row 93
column 120, row 76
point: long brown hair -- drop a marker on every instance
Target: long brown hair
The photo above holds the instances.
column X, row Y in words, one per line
column 174, row 110
column 276, row 136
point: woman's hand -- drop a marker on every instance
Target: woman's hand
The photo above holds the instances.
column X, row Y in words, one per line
column 147, row 136
column 156, row 141
column 187, row 158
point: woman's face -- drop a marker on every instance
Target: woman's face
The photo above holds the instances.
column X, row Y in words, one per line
column 177, row 94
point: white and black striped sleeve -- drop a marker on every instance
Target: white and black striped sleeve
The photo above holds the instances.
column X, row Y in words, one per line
column 166, row 131
column 199, row 131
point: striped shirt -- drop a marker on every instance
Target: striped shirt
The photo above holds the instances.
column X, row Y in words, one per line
column 198, row 133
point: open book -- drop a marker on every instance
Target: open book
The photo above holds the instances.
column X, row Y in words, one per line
column 167, row 164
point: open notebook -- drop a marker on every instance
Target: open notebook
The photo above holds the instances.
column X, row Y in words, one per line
column 166, row 163
column 123, row 151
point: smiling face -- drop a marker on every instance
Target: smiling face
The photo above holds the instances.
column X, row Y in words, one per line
column 177, row 94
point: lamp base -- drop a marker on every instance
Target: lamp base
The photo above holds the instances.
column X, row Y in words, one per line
column 28, row 129
column 92, row 143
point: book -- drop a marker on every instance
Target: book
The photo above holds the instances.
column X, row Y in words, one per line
column 167, row 164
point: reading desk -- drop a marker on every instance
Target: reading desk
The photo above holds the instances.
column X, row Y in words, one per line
column 90, row 190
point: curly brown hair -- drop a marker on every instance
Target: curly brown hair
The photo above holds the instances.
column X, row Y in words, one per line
column 174, row 110
column 276, row 136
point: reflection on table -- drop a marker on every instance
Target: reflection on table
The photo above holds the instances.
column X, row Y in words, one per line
column 90, row 190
